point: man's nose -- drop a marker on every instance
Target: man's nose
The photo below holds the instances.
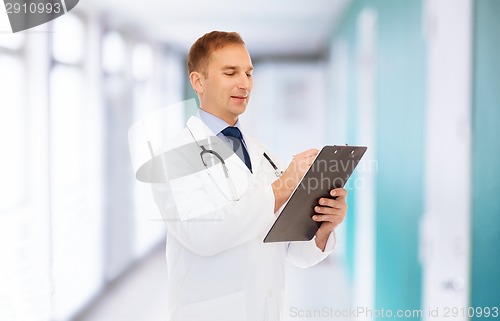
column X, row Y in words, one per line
column 244, row 82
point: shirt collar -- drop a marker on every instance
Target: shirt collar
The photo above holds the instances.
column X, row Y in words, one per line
column 214, row 123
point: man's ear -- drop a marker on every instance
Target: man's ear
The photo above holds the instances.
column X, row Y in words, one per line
column 196, row 80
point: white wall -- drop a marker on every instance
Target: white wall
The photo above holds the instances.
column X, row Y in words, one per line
column 446, row 222
column 287, row 107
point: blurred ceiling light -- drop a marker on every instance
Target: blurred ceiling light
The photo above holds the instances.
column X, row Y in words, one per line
column 69, row 39
column 114, row 52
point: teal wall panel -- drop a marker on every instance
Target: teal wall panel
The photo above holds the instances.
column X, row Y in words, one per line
column 485, row 278
column 400, row 123
column 400, row 146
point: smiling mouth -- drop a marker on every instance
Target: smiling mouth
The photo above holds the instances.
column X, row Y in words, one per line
column 240, row 97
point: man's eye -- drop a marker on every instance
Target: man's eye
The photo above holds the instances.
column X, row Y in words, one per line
column 249, row 75
column 229, row 73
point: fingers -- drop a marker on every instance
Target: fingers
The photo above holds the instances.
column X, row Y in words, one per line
column 310, row 153
column 338, row 201
column 333, row 203
column 301, row 163
column 325, row 210
column 329, row 214
column 322, row 212
column 336, row 219
column 339, row 192
column 332, row 210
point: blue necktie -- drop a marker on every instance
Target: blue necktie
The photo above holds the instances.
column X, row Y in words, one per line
column 234, row 134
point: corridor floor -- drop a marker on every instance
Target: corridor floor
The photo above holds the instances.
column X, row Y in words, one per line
column 312, row 294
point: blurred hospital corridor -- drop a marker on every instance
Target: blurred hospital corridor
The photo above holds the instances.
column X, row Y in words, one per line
column 140, row 293
column 416, row 81
column 137, row 295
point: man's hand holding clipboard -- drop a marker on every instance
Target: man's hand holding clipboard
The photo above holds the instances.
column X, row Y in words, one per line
column 312, row 209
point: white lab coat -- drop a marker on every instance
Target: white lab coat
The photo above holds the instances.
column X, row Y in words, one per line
column 218, row 266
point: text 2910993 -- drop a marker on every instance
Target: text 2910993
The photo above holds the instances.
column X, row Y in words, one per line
column 41, row 7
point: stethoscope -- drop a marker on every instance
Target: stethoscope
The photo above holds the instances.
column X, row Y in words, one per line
column 210, row 152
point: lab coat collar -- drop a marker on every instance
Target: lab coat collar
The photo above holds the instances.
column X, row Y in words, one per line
column 255, row 150
column 213, row 122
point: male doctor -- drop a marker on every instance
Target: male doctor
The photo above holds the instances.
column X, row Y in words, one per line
column 218, row 213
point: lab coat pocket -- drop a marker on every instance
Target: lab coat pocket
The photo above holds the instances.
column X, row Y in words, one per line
column 228, row 307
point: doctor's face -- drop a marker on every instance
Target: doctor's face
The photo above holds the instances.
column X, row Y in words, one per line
column 228, row 83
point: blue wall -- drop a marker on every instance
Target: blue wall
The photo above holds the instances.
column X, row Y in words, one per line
column 400, row 119
column 400, row 105
column 486, row 156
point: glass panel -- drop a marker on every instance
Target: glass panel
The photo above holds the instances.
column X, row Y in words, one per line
column 76, row 225
column 24, row 240
column 66, row 136
column 12, row 132
column 69, row 39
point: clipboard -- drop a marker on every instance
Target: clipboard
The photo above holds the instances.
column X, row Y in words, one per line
column 331, row 169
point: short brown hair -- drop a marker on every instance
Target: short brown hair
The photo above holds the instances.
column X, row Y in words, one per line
column 200, row 51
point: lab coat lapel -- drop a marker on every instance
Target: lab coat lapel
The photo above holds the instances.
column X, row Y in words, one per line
column 201, row 132
column 256, row 152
